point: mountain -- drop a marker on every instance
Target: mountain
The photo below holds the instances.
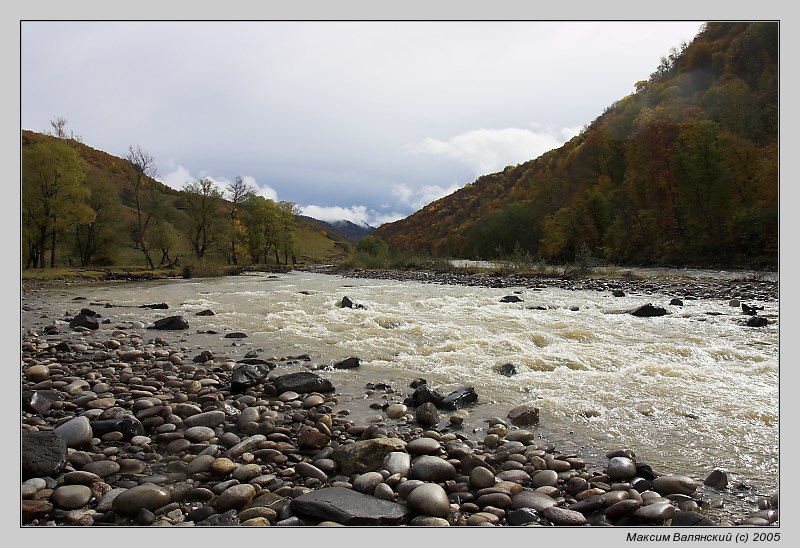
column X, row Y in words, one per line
column 342, row 229
column 682, row 172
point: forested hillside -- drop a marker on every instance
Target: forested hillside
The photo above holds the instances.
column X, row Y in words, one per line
column 682, row 172
column 82, row 207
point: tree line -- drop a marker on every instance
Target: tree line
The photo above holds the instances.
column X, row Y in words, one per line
column 82, row 213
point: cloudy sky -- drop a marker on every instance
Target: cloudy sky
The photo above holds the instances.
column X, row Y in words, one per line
column 362, row 120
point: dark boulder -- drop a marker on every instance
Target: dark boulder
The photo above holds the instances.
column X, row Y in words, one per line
column 350, row 507
column 236, row 335
column 206, row 312
column 424, row 394
column 302, row 383
column 82, row 320
column 618, row 293
column 128, row 426
column 171, row 323
column 524, row 415
column 42, row 454
column 511, row 299
column 347, row 302
column 203, row 357
column 751, row 310
column 158, row 306
column 459, row 398
column 508, row 369
column 248, row 375
column 757, row 321
column 676, row 302
column 416, row 383
column 348, row 363
column 88, row 312
column 649, row 311
column 427, row 415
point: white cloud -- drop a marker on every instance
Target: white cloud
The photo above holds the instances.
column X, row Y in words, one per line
column 422, row 196
column 491, row 150
column 357, row 214
column 179, row 176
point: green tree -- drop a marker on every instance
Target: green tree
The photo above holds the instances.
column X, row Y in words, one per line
column 98, row 238
column 204, row 202
column 260, row 217
column 53, row 197
column 164, row 237
column 287, row 231
column 238, row 193
column 372, row 245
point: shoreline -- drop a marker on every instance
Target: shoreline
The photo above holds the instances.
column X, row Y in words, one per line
column 112, row 375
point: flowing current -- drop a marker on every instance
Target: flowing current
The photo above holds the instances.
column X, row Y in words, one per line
column 688, row 392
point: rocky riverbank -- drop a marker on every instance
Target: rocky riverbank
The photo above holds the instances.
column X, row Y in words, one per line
column 122, row 425
column 676, row 284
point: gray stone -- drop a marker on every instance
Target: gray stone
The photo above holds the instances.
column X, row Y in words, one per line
column 621, row 469
column 545, row 478
column 423, row 446
column 654, row 513
column 366, row 482
column 77, row 432
column 70, row 497
column 350, row 507
column 397, row 462
column 434, row 469
column 245, row 446
column 308, row 470
column 622, row 508
column 209, row 419
column 481, row 477
column 429, row 499
column 532, row 499
column 235, row 497
column 103, row 468
column 673, row 484
column 563, row 516
column 146, row 495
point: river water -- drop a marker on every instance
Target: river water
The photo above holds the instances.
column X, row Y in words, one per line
column 688, row 392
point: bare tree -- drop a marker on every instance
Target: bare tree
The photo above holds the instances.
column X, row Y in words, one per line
column 145, row 196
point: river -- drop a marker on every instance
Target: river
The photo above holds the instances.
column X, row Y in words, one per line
column 688, row 392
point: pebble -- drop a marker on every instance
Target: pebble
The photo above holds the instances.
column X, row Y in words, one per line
column 429, row 499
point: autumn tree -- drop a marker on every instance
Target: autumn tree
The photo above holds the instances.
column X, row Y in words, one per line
column 53, row 197
column 204, row 202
